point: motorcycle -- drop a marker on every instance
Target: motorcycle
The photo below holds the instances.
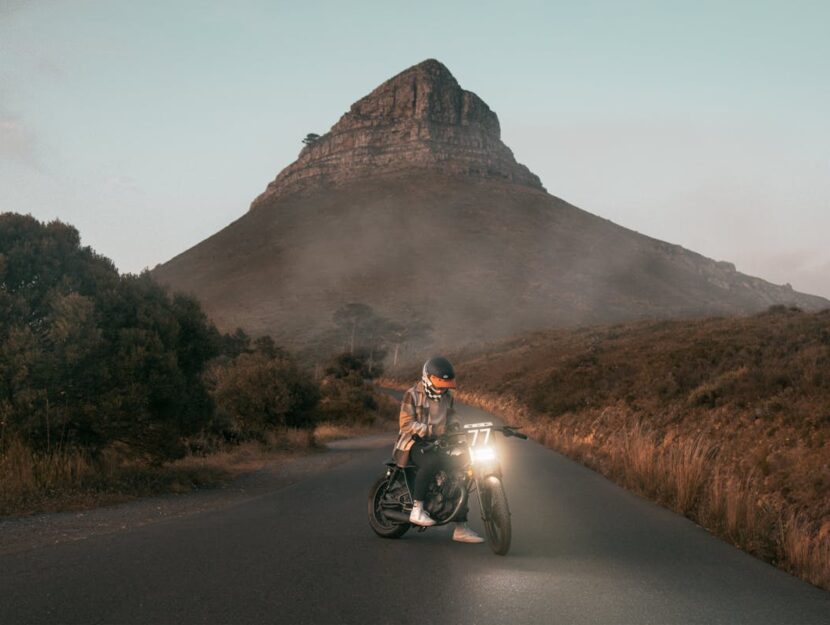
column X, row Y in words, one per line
column 475, row 469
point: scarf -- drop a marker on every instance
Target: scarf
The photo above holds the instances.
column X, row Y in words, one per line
column 429, row 388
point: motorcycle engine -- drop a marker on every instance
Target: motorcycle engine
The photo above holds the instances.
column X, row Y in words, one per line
column 442, row 496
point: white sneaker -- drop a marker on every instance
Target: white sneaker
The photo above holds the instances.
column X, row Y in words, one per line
column 463, row 534
column 419, row 516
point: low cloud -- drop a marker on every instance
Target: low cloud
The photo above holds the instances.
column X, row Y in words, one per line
column 805, row 270
column 754, row 196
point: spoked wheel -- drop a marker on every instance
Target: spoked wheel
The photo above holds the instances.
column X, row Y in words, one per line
column 497, row 521
column 378, row 522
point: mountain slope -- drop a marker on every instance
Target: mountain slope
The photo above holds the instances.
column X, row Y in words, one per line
column 412, row 204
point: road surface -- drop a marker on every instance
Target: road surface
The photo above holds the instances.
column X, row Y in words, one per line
column 584, row 551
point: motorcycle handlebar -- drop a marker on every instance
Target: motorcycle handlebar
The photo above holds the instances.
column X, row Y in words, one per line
column 509, row 430
column 433, row 442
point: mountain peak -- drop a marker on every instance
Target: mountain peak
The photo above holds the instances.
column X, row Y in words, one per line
column 429, row 67
column 420, row 119
column 429, row 92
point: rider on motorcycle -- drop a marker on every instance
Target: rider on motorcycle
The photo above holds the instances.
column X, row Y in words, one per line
column 426, row 411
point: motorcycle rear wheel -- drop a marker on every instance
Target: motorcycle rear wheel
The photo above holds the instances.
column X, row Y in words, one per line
column 497, row 521
column 382, row 526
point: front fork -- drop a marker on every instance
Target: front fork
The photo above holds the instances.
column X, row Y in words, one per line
column 478, row 476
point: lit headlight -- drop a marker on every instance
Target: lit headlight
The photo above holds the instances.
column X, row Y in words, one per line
column 483, row 454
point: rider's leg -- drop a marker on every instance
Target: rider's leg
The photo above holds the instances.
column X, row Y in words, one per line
column 428, row 464
column 462, row 532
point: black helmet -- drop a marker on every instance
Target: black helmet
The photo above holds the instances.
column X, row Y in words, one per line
column 438, row 376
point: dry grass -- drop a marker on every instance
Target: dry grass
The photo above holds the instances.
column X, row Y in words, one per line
column 23, row 473
column 724, row 420
column 686, row 475
column 807, row 553
column 327, row 432
column 32, row 482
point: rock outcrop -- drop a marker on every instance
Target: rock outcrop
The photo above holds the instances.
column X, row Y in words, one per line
column 420, row 119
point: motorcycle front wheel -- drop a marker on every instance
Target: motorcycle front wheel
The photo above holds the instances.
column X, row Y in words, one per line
column 377, row 521
column 496, row 515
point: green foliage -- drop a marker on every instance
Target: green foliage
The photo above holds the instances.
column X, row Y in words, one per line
column 359, row 365
column 89, row 358
column 100, row 364
column 261, row 390
column 347, row 394
column 311, row 138
column 234, row 344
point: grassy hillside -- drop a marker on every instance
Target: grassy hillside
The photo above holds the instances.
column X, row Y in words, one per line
column 476, row 260
column 725, row 420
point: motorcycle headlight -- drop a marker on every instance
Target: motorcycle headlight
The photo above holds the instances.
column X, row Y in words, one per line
column 483, row 454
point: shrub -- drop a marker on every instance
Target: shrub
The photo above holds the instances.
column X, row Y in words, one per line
column 347, row 394
column 88, row 357
column 260, row 391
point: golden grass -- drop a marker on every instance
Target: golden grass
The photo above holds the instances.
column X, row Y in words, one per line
column 33, row 482
column 725, row 420
column 328, row 431
column 807, row 553
column 686, row 474
column 23, row 472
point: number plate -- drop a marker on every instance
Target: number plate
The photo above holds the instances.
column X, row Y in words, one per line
column 480, row 432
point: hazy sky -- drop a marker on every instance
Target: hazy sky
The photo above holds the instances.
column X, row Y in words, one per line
column 150, row 125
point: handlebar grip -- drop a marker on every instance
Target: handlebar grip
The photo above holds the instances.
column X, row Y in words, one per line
column 508, row 431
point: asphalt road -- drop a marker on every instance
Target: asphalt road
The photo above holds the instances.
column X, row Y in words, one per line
column 584, row 551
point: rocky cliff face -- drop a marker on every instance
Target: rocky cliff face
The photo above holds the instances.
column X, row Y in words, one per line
column 420, row 119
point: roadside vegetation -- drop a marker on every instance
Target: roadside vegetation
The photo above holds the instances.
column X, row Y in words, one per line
column 111, row 387
column 724, row 420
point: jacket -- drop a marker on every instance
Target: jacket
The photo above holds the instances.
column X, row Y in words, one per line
column 422, row 416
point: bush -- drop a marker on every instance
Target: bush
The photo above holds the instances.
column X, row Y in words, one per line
column 260, row 391
column 347, row 394
column 360, row 364
column 90, row 358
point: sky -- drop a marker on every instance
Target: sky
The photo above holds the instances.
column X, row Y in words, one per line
column 151, row 125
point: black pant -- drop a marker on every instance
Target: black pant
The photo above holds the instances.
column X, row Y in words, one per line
column 429, row 463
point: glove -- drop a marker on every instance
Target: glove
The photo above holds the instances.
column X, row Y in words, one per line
column 420, row 429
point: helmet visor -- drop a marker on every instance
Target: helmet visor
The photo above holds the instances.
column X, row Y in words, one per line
column 439, row 382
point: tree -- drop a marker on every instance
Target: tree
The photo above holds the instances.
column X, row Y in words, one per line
column 362, row 328
column 347, row 365
column 311, row 138
column 400, row 334
column 234, row 344
column 347, row 394
column 88, row 357
column 262, row 390
column 357, row 321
